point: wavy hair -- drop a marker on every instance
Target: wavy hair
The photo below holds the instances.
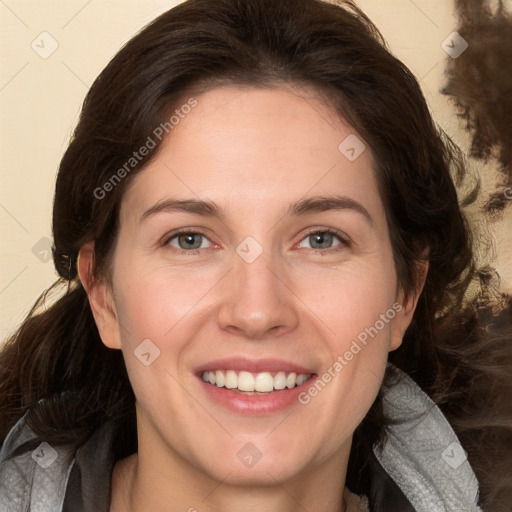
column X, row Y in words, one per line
column 57, row 354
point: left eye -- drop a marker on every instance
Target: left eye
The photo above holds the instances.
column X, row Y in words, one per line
column 321, row 240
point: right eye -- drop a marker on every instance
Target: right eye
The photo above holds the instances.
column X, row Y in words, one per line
column 187, row 241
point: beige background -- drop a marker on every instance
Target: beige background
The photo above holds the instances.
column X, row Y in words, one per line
column 40, row 99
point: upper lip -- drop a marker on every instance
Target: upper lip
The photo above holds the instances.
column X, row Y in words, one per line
column 252, row 365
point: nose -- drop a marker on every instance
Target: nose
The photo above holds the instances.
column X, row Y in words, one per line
column 257, row 300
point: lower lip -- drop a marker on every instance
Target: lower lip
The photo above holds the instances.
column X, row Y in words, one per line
column 256, row 405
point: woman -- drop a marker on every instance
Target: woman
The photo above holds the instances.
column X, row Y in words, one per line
column 261, row 239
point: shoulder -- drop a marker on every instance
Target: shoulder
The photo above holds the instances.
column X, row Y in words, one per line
column 31, row 471
column 53, row 477
column 422, row 453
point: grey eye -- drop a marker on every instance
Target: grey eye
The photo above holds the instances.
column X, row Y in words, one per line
column 188, row 241
column 321, row 240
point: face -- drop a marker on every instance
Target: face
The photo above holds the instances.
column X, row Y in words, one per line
column 253, row 255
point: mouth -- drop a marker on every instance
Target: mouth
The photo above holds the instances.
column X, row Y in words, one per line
column 253, row 386
column 250, row 383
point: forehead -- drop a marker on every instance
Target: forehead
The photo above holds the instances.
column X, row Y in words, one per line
column 266, row 148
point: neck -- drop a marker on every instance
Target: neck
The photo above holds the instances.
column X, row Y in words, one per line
column 139, row 484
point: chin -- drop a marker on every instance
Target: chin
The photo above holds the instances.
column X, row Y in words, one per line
column 254, row 462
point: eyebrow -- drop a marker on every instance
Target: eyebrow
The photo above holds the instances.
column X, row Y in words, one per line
column 206, row 208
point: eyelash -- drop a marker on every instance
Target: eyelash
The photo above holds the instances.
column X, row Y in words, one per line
column 344, row 242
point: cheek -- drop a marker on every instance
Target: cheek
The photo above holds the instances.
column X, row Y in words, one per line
column 352, row 300
column 357, row 307
column 161, row 311
column 155, row 331
column 152, row 303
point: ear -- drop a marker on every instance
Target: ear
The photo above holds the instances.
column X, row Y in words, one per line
column 405, row 307
column 100, row 298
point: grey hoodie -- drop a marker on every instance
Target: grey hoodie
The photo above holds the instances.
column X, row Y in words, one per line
column 421, row 454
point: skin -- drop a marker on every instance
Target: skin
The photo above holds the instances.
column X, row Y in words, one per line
column 253, row 152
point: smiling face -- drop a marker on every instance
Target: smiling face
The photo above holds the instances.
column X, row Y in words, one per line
column 252, row 248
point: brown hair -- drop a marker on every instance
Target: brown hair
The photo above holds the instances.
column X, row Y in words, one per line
column 57, row 354
column 479, row 81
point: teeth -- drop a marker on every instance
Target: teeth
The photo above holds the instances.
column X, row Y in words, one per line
column 301, row 379
column 291, row 380
column 280, row 380
column 219, row 379
column 263, row 382
column 245, row 381
column 231, row 380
